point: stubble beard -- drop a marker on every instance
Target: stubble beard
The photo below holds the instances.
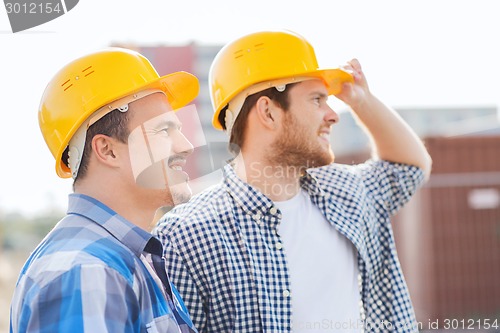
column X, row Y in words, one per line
column 296, row 148
column 177, row 194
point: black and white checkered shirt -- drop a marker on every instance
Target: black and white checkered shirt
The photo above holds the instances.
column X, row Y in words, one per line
column 223, row 255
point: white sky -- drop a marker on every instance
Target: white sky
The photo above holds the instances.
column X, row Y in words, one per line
column 415, row 53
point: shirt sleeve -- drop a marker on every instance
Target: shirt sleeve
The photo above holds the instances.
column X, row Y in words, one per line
column 87, row 298
column 391, row 184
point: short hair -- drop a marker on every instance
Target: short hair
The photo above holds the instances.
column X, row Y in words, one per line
column 237, row 135
column 114, row 124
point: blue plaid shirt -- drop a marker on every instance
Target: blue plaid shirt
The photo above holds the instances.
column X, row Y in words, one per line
column 223, row 255
column 87, row 276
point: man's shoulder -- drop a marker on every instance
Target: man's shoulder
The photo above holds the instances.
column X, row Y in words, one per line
column 356, row 172
column 79, row 233
column 203, row 208
column 358, row 179
column 77, row 242
column 337, row 173
column 203, row 202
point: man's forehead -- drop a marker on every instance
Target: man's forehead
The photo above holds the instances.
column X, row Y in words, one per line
column 153, row 109
column 155, row 98
column 165, row 118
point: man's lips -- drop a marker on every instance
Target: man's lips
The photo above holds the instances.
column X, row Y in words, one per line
column 324, row 134
column 176, row 163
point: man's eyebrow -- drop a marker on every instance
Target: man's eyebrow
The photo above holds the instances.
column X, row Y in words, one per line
column 320, row 94
column 169, row 124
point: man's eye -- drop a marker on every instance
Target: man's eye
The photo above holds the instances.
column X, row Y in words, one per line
column 164, row 130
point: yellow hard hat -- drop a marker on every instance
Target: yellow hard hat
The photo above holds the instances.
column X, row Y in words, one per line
column 265, row 56
column 93, row 81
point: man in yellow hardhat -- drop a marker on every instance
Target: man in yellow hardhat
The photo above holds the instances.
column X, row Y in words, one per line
column 289, row 240
column 108, row 119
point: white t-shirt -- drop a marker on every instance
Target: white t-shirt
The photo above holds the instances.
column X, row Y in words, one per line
column 323, row 270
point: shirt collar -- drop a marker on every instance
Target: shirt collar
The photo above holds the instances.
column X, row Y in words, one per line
column 311, row 185
column 249, row 198
column 124, row 231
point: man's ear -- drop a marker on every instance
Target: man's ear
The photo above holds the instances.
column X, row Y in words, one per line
column 105, row 149
column 267, row 112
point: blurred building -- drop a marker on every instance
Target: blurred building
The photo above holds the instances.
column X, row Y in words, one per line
column 448, row 237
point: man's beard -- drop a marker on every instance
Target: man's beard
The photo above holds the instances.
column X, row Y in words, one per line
column 297, row 148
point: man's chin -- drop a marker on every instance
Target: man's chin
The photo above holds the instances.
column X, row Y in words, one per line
column 324, row 159
column 181, row 193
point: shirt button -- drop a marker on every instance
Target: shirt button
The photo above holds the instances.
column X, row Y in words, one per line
column 257, row 217
column 273, row 210
column 286, row 293
column 279, row 246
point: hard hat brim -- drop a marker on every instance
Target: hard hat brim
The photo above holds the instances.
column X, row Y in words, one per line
column 181, row 88
column 333, row 79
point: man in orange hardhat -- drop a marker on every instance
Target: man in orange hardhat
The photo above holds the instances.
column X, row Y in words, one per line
column 291, row 241
column 108, row 119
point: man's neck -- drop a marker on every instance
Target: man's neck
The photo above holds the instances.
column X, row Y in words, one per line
column 277, row 182
column 122, row 204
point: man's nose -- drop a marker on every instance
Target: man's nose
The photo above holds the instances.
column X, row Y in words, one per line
column 331, row 116
column 182, row 145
